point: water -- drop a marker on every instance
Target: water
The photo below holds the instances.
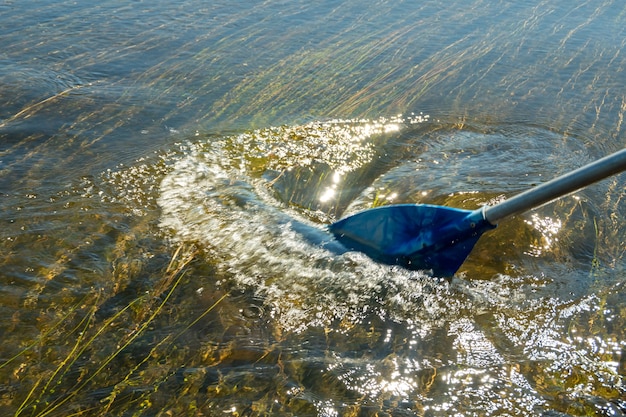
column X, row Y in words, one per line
column 159, row 162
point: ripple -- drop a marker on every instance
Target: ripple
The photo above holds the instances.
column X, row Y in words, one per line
column 495, row 334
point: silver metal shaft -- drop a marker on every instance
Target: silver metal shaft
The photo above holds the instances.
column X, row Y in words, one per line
column 558, row 187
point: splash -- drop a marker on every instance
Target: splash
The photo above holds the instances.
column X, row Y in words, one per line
column 212, row 196
column 257, row 205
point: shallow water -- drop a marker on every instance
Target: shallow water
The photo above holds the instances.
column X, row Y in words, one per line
column 166, row 169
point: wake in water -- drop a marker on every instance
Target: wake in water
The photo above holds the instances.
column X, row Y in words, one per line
column 258, row 204
column 293, row 263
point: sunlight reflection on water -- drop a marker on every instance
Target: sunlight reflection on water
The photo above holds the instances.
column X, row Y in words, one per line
column 160, row 162
column 208, row 197
column 246, row 219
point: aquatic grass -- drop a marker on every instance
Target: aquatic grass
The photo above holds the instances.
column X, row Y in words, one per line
column 80, row 347
column 42, row 336
column 77, row 350
column 164, row 373
column 55, row 392
column 127, row 381
column 33, row 108
column 233, row 73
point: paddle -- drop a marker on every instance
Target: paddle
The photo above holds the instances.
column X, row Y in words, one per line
column 438, row 238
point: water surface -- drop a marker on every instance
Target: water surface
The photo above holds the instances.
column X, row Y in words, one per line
column 159, row 162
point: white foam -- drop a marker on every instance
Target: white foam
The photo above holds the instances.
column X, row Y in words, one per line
column 253, row 241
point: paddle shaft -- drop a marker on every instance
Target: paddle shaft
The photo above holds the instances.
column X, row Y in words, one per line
column 558, row 187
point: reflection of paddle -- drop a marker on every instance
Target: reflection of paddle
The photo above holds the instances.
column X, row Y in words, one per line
column 437, row 238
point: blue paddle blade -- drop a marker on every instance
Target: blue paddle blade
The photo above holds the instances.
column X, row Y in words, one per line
column 415, row 236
